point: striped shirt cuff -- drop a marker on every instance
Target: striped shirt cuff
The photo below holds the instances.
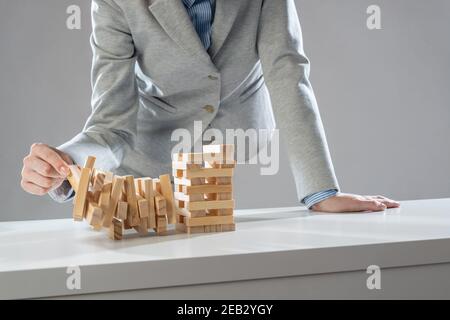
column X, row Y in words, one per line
column 63, row 193
column 314, row 198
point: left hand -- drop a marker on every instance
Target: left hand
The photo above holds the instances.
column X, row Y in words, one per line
column 344, row 202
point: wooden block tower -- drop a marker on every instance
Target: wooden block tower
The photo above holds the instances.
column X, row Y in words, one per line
column 204, row 189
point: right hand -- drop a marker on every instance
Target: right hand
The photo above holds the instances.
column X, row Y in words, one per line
column 44, row 169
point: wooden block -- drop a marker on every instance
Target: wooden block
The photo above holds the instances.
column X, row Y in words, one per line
column 156, row 185
column 74, row 176
column 161, row 225
column 228, row 227
column 180, row 227
column 225, row 149
column 121, row 212
column 192, row 214
column 161, row 221
column 193, row 158
column 179, row 165
column 160, row 204
column 90, row 162
column 224, row 154
column 181, row 196
column 142, row 228
column 94, row 215
column 207, row 221
column 215, row 164
column 213, row 204
column 79, row 208
column 203, row 173
column 116, row 194
column 207, row 188
column 133, row 211
column 104, row 202
column 167, row 193
column 116, row 229
column 143, row 209
column 147, row 184
column 197, row 229
column 109, row 177
column 126, row 224
column 183, row 181
column 222, row 212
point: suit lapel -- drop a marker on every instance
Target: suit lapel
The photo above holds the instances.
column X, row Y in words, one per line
column 174, row 19
column 224, row 18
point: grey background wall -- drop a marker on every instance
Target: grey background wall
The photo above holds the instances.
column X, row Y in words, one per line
column 383, row 96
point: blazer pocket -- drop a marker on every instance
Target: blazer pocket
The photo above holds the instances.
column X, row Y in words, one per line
column 158, row 102
column 252, row 88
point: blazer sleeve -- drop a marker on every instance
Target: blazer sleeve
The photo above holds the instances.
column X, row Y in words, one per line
column 286, row 73
column 110, row 130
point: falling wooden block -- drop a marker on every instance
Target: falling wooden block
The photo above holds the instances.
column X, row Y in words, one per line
column 133, row 211
column 74, row 176
column 142, row 228
column 139, row 186
column 79, row 208
column 161, row 225
column 160, row 204
column 116, row 194
column 90, row 162
column 94, row 216
column 149, row 195
column 156, row 185
column 99, row 180
column 167, row 193
column 122, row 209
column 116, row 229
column 104, row 202
column 143, row 209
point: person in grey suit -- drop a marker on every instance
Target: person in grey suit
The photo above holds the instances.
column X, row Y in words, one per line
column 160, row 65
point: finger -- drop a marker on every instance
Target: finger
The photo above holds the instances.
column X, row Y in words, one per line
column 389, row 203
column 33, row 189
column 41, row 167
column 39, row 180
column 372, row 205
column 52, row 157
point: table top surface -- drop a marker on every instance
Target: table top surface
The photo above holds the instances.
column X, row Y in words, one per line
column 31, row 245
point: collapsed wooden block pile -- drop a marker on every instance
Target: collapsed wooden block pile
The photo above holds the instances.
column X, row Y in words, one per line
column 120, row 203
column 204, row 189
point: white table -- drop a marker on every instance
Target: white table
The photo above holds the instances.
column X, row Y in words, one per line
column 275, row 253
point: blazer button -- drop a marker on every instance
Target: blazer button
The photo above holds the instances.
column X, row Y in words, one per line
column 209, row 108
column 211, row 77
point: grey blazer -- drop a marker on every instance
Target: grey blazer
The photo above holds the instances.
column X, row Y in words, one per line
column 151, row 75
